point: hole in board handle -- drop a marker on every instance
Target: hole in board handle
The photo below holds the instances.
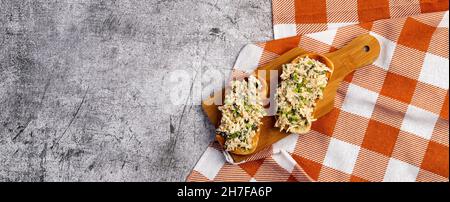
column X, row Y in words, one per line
column 366, row 49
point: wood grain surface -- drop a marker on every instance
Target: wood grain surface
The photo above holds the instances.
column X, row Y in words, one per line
column 360, row 52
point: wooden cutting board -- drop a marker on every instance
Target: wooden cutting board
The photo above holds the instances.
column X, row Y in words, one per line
column 360, row 52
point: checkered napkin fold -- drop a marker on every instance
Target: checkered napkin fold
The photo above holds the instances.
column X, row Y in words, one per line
column 390, row 121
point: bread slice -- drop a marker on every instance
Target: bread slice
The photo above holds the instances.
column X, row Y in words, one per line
column 239, row 151
column 303, row 130
column 323, row 60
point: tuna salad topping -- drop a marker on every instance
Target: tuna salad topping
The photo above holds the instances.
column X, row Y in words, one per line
column 241, row 114
column 302, row 84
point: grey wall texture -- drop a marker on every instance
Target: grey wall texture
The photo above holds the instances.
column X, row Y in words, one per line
column 82, row 95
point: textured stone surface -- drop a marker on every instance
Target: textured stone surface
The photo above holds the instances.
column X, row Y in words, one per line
column 81, row 84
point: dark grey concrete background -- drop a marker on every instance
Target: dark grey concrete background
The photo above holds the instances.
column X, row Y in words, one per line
column 81, row 94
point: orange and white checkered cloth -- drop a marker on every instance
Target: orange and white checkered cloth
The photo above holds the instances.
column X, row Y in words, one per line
column 391, row 118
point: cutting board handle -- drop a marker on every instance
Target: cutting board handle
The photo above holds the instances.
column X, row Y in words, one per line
column 360, row 52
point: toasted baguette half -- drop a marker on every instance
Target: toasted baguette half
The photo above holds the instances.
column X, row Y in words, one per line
column 302, row 130
column 240, row 151
column 243, row 152
column 323, row 60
